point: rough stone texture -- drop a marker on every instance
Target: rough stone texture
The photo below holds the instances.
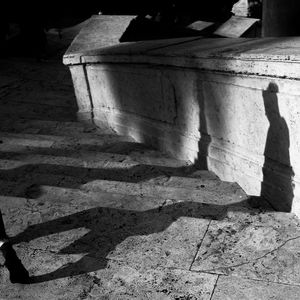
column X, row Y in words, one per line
column 125, row 282
column 94, row 215
column 235, row 288
column 226, row 104
column 103, row 30
column 253, row 245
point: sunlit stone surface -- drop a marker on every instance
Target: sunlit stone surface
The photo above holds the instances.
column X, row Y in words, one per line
column 96, row 215
column 227, row 104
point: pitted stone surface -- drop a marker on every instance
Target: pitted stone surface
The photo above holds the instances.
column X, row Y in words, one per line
column 235, row 288
column 93, row 215
column 253, row 244
column 124, row 282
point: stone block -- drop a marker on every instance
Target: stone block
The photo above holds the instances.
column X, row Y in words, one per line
column 226, row 104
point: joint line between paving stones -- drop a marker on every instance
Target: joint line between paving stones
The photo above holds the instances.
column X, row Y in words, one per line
column 259, row 258
column 199, row 245
column 214, row 288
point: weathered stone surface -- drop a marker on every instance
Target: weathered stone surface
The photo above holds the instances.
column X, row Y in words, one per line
column 125, row 282
column 84, row 235
column 44, row 127
column 136, row 230
column 174, row 247
column 236, row 288
column 195, row 112
column 261, row 246
column 66, row 288
column 203, row 195
column 128, row 240
column 61, row 141
column 118, row 281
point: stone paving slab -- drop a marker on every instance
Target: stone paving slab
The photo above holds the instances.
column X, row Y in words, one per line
column 30, row 170
column 194, row 182
column 236, row 288
column 124, row 282
column 92, row 159
column 54, row 141
column 256, row 245
column 104, row 247
column 117, row 281
column 19, row 213
column 91, row 235
column 17, row 151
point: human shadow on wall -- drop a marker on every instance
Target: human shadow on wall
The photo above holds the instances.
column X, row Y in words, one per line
column 108, row 227
column 277, row 185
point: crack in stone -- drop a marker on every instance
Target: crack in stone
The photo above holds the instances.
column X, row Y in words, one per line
column 257, row 259
column 214, row 288
column 199, row 245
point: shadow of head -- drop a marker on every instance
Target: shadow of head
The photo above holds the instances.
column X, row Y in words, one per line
column 271, row 100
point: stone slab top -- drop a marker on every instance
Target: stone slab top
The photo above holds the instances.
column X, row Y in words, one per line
column 98, row 42
column 100, row 31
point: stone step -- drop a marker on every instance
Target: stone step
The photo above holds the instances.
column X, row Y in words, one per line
column 127, row 183
column 37, row 111
column 88, row 159
column 58, row 141
column 92, row 150
column 86, row 170
column 160, row 193
column 36, row 168
column 220, row 193
column 75, row 129
column 38, row 195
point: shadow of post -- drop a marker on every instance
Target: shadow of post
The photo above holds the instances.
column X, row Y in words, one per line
column 277, row 185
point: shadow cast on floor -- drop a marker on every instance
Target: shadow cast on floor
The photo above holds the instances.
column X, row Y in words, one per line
column 108, row 227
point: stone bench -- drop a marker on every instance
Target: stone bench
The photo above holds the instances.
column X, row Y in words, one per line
column 231, row 105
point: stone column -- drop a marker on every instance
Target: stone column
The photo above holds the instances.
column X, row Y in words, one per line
column 281, row 18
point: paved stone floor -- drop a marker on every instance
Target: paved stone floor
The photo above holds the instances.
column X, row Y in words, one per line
column 93, row 215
